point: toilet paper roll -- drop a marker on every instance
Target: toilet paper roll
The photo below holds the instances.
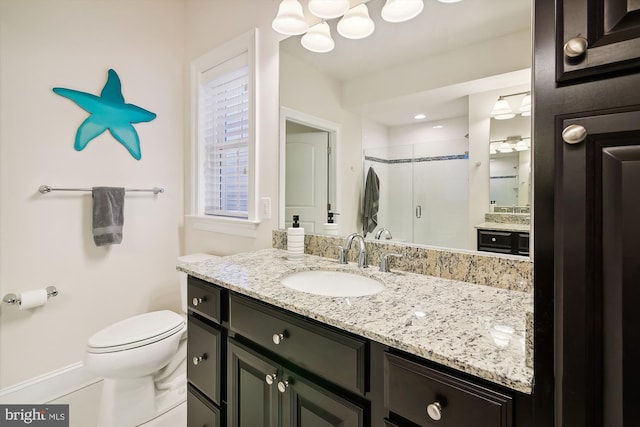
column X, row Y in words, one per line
column 30, row 299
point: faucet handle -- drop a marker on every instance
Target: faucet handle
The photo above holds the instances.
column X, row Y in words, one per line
column 384, row 261
column 342, row 257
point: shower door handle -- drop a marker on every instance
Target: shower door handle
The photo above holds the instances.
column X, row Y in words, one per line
column 419, row 211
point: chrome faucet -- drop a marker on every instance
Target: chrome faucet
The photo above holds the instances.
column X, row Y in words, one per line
column 382, row 230
column 384, row 261
column 362, row 257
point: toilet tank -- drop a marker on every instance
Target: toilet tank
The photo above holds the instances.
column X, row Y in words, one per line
column 189, row 259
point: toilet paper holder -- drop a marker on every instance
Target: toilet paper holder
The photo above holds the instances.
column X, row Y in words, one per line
column 14, row 299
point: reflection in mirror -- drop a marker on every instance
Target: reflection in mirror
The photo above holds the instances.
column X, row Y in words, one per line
column 451, row 63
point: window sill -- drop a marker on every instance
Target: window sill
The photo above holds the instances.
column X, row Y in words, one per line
column 232, row 226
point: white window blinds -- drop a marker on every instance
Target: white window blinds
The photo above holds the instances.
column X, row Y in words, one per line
column 224, row 138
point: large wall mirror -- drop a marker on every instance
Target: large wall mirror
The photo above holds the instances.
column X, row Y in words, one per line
column 437, row 173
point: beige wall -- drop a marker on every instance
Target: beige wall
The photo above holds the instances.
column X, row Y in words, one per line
column 46, row 239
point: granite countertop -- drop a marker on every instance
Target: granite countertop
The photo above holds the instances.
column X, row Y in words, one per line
column 476, row 329
column 500, row 226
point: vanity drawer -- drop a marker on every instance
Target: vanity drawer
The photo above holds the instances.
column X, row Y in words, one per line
column 200, row 412
column 204, row 352
column 410, row 388
column 335, row 356
column 204, row 299
column 498, row 241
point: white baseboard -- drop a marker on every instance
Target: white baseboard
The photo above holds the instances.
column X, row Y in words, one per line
column 50, row 386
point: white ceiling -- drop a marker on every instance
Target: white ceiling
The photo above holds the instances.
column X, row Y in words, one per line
column 439, row 28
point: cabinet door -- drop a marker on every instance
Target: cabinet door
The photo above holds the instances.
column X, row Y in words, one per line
column 598, row 257
column 597, row 37
column 200, row 412
column 306, row 404
column 252, row 402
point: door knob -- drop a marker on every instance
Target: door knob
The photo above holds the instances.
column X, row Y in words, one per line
column 434, row 410
column 271, row 378
column 282, row 386
column 197, row 301
column 278, row 338
column 574, row 134
column 197, row 359
column 576, row 47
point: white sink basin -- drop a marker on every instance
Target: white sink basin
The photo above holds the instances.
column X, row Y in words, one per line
column 332, row 283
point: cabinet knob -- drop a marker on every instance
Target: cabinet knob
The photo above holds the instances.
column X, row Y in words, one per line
column 197, row 301
column 282, row 386
column 197, row 359
column 271, row 378
column 278, row 338
column 434, row 410
column 574, row 134
column 576, row 47
column 493, row 239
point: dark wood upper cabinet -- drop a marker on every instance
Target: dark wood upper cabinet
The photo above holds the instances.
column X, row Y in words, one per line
column 597, row 38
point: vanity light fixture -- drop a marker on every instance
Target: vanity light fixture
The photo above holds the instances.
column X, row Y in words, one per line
column 290, row 19
column 505, row 147
column 318, row 39
column 502, row 110
column 328, row 9
column 356, row 23
column 401, row 10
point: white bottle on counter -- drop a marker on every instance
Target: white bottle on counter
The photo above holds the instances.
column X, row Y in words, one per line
column 295, row 240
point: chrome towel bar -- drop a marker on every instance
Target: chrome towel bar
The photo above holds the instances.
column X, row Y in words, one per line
column 44, row 189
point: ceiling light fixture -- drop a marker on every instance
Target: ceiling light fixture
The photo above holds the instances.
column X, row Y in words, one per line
column 318, row 39
column 290, row 19
column 401, row 10
column 420, row 116
column 328, row 9
column 356, row 23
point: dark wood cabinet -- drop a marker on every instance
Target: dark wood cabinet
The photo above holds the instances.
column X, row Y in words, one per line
column 597, row 38
column 503, row 242
column 586, row 171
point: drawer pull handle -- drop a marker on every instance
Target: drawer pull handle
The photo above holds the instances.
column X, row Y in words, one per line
column 282, row 386
column 434, row 410
column 493, row 239
column 197, row 301
column 271, row 378
column 197, row 359
column 278, row 338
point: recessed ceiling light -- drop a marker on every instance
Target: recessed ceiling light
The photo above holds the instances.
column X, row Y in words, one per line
column 438, row 127
column 420, row 116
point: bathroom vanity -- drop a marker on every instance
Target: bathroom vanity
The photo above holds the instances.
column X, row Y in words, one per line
column 424, row 351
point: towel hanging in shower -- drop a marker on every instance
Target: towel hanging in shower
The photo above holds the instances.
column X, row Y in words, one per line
column 371, row 202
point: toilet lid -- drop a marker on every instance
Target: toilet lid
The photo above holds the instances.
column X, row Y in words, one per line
column 136, row 331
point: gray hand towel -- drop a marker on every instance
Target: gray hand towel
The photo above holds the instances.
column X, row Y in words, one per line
column 108, row 215
column 371, row 202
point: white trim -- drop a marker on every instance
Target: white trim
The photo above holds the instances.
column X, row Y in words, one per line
column 335, row 138
column 50, row 386
column 224, row 225
column 246, row 42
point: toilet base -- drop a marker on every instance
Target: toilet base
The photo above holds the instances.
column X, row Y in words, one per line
column 126, row 402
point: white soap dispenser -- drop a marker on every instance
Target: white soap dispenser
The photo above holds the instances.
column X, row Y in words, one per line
column 295, row 240
column 330, row 227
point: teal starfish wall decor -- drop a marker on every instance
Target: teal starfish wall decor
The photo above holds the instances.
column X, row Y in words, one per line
column 108, row 111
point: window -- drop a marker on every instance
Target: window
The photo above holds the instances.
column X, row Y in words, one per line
column 223, row 141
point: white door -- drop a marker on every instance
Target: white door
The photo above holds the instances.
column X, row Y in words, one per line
column 307, row 179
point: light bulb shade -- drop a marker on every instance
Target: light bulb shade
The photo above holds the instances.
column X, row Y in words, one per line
column 505, row 147
column 401, row 10
column 328, row 9
column 502, row 110
column 525, row 107
column 290, row 19
column 521, row 146
column 318, row 39
column 356, row 23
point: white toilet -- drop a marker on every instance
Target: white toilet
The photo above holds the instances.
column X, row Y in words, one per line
column 143, row 362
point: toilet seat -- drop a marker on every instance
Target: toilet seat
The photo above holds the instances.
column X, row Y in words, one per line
column 136, row 331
